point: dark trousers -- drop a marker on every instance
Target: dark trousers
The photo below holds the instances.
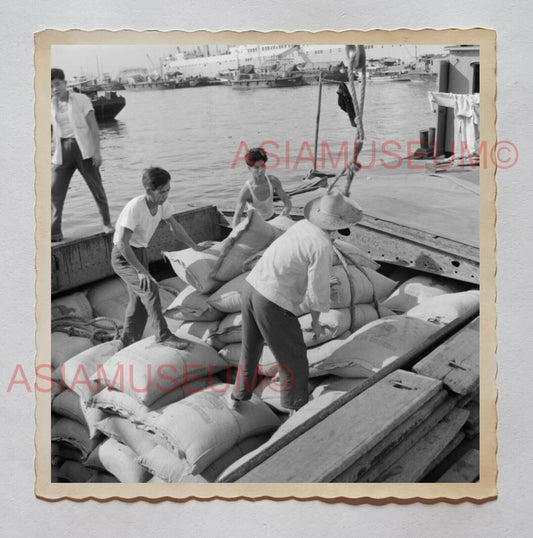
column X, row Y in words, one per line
column 142, row 304
column 265, row 322
column 61, row 176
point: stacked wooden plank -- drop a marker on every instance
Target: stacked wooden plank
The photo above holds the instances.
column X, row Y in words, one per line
column 456, row 364
column 399, row 430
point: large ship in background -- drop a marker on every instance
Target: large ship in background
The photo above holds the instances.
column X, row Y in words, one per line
column 211, row 60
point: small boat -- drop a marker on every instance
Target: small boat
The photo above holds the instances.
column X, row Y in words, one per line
column 106, row 104
column 153, row 85
column 246, row 78
column 197, row 82
column 388, row 76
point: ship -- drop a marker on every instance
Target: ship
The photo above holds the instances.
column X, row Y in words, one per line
column 210, row 60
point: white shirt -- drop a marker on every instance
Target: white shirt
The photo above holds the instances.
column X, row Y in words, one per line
column 78, row 106
column 63, row 120
column 137, row 217
column 296, row 266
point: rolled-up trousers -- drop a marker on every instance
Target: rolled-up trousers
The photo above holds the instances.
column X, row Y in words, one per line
column 142, row 304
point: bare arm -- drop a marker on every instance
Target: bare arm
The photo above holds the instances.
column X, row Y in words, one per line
column 244, row 197
column 184, row 237
column 93, row 126
column 276, row 184
column 124, row 237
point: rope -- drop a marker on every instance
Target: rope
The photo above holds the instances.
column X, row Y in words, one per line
column 352, row 288
column 99, row 329
column 343, row 257
column 357, row 60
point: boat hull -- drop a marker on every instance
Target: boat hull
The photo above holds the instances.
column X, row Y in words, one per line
column 107, row 109
column 268, row 82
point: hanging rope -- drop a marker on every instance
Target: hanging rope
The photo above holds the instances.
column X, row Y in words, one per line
column 356, row 61
column 98, row 330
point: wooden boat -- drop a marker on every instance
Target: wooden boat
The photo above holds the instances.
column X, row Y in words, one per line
column 106, row 104
column 153, row 85
column 382, row 74
column 79, row 263
column 246, row 78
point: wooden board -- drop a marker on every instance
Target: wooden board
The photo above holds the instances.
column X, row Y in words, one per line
column 471, row 428
column 466, row 469
column 446, row 455
column 456, row 361
column 415, row 464
column 327, row 449
column 387, row 459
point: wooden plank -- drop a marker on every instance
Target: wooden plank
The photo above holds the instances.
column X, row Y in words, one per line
column 388, row 458
column 471, row 428
column 466, row 469
column 330, row 447
column 406, row 361
column 415, row 464
column 446, row 454
column 456, row 361
column 84, row 261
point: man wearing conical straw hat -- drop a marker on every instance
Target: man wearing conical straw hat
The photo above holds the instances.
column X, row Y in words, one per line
column 295, row 267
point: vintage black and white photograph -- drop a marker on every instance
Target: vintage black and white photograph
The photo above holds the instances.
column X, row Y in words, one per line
column 265, row 267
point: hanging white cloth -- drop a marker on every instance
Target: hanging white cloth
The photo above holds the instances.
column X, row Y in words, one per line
column 466, row 119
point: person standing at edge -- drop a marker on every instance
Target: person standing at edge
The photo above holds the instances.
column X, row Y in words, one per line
column 77, row 147
column 135, row 227
column 258, row 192
column 296, row 267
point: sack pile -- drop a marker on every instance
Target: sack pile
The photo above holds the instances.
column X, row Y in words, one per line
column 148, row 413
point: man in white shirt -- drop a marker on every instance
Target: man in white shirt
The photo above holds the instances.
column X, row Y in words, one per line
column 76, row 147
column 296, row 267
column 136, row 225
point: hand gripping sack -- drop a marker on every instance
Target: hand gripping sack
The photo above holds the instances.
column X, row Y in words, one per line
column 249, row 237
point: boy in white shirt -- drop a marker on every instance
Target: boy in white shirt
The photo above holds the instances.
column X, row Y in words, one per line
column 134, row 229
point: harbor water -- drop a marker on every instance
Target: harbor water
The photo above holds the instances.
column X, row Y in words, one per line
column 199, row 136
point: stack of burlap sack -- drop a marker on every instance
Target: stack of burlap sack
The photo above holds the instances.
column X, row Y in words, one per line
column 152, row 413
column 77, row 322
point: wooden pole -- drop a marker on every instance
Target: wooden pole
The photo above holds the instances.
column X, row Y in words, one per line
column 318, row 116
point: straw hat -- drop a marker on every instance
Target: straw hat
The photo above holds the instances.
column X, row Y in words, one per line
column 333, row 211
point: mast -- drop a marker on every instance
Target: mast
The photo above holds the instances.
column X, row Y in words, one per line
column 98, row 69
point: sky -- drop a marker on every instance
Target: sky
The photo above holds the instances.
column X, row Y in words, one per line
column 76, row 60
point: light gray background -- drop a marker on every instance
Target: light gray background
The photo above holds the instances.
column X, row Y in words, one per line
column 508, row 516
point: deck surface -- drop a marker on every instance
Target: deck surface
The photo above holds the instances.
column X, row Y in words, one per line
column 442, row 203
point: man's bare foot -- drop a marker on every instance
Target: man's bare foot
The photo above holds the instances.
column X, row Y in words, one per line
column 233, row 404
column 175, row 342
